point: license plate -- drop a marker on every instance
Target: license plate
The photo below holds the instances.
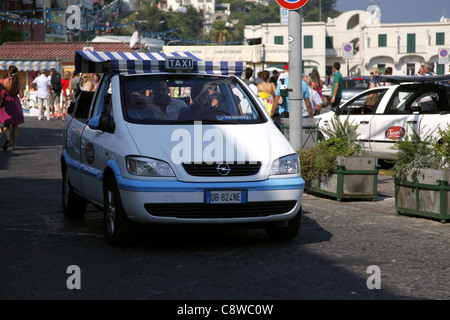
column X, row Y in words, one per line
column 225, row 196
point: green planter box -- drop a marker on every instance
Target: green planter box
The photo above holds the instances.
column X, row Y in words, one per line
column 428, row 196
column 353, row 178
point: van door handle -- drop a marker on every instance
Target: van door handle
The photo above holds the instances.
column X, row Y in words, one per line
column 411, row 122
column 364, row 122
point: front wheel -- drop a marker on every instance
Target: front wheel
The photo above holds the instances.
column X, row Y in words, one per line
column 73, row 204
column 286, row 233
column 118, row 228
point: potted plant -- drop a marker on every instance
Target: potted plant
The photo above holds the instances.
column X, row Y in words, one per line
column 338, row 166
column 422, row 175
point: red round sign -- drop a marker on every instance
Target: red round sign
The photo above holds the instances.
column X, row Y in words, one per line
column 292, row 4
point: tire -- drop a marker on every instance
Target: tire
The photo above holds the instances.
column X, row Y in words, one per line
column 286, row 233
column 73, row 204
column 119, row 229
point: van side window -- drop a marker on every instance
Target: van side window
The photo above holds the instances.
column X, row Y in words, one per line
column 103, row 96
column 83, row 105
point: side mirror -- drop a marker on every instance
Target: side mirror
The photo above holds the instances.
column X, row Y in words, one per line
column 102, row 123
column 95, row 123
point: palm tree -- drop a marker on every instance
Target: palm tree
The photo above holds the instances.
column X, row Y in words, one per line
column 219, row 31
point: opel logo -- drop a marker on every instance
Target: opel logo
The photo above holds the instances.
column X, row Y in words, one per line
column 223, row 169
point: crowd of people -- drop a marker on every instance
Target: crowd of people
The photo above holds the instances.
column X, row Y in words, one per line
column 51, row 91
column 273, row 91
column 54, row 93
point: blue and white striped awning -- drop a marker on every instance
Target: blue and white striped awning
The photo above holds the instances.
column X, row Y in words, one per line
column 148, row 62
column 28, row 65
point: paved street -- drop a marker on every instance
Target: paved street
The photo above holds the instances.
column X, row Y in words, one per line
column 329, row 258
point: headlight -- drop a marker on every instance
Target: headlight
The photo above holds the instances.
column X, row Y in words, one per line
column 148, row 167
column 286, row 165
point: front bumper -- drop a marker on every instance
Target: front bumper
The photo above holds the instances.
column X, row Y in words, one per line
column 175, row 202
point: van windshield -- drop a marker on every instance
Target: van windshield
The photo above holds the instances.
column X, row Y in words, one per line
column 179, row 99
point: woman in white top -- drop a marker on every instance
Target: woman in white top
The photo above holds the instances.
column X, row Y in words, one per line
column 86, row 82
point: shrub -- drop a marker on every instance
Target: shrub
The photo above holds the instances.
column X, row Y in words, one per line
column 415, row 153
column 321, row 159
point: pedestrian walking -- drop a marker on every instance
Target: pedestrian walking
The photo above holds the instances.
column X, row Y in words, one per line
column 55, row 80
column 336, row 89
column 280, row 111
column 74, row 84
column 11, row 114
column 95, row 79
column 314, row 97
column 43, row 94
column 86, row 82
column 428, row 69
column 266, row 91
column 65, row 94
column 316, row 82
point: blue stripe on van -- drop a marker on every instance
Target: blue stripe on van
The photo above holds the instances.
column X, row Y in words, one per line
column 178, row 186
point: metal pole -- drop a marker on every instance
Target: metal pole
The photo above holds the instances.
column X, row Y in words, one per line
column 295, row 78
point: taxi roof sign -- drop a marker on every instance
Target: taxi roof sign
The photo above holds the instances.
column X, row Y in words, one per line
column 151, row 62
column 179, row 63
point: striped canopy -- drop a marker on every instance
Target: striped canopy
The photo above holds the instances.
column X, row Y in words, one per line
column 146, row 62
column 28, row 65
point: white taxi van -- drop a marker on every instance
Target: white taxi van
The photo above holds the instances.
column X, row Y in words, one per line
column 174, row 139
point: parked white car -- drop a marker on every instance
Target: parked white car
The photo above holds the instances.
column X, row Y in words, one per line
column 387, row 113
column 176, row 140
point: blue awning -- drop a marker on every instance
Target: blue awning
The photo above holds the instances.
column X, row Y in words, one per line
column 29, row 65
column 148, row 62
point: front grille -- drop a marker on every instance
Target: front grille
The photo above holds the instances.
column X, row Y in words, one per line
column 222, row 169
column 231, row 210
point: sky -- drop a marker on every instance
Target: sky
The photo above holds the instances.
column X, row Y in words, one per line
column 393, row 11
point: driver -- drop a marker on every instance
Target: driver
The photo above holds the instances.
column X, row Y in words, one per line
column 163, row 105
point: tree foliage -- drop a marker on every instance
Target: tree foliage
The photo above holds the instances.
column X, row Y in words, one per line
column 189, row 25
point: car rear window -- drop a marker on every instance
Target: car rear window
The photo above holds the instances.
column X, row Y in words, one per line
column 178, row 99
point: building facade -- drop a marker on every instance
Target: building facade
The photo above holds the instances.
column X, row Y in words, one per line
column 402, row 46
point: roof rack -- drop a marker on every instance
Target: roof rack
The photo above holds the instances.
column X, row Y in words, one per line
column 421, row 79
column 150, row 62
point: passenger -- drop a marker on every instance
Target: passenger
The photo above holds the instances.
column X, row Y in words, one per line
column 215, row 96
column 200, row 104
column 164, row 106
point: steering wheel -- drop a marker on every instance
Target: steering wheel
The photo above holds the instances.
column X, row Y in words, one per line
column 367, row 109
